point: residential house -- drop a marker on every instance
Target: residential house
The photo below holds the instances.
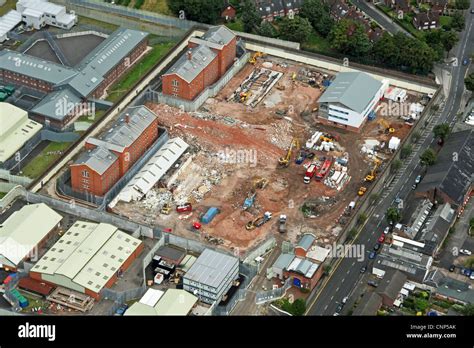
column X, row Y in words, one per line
column 426, row 20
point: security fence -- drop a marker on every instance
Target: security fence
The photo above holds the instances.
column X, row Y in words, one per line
column 274, row 294
column 14, row 179
column 24, row 151
column 260, row 250
column 64, row 187
column 209, row 92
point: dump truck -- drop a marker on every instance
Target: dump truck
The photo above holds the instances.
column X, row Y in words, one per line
column 322, row 172
column 310, row 173
column 258, row 221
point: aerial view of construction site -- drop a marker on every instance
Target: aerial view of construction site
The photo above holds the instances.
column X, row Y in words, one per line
column 247, row 158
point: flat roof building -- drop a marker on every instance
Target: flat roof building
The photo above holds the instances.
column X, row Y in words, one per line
column 350, row 99
column 87, row 258
column 172, row 302
column 211, row 276
column 23, row 232
column 15, row 131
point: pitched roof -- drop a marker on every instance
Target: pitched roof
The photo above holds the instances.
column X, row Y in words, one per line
column 58, row 105
column 392, row 283
column 355, row 90
column 189, row 69
column 219, row 34
column 24, row 229
column 306, row 241
column 456, row 289
column 369, row 304
column 99, row 159
column 453, row 177
column 283, row 261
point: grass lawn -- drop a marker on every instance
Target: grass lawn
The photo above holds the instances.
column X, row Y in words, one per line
column 98, row 116
column 40, row 163
column 317, row 43
column 141, row 68
column 96, row 23
column 238, row 25
column 158, row 6
column 445, row 20
column 9, row 5
column 3, row 194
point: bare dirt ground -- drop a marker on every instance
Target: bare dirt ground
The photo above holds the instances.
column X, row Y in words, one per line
column 222, row 126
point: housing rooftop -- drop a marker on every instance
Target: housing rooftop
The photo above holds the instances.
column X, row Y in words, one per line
column 354, row 90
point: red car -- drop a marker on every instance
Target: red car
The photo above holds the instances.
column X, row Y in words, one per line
column 381, row 238
column 184, row 208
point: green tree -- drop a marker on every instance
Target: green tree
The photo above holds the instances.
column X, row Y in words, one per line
column 471, row 223
column 250, row 17
column 349, row 37
column 469, row 82
column 374, row 197
column 352, row 233
column 458, row 21
column 297, row 29
column 448, row 40
column 468, row 309
column 385, row 50
column 393, row 215
column 421, row 305
column 267, row 29
column 204, row 11
column 415, row 137
column 396, row 165
column 428, row 157
column 441, row 131
column 461, row 4
column 298, row 307
column 406, row 151
column 318, row 14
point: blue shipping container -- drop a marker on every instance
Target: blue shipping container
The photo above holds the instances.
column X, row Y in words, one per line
column 210, row 214
column 23, row 302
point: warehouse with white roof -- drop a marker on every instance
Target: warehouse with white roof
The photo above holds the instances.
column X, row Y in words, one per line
column 39, row 13
column 24, row 232
column 8, row 22
column 16, row 130
column 87, row 258
column 211, row 276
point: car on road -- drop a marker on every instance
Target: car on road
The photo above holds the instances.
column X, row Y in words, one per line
column 465, row 252
column 373, row 283
column 465, row 60
column 381, row 239
column 418, row 179
column 344, row 300
column 377, row 247
column 372, row 255
column 472, row 276
column 339, row 308
column 466, row 272
column 413, row 187
column 386, row 230
column 452, row 268
column 363, row 269
column 121, row 310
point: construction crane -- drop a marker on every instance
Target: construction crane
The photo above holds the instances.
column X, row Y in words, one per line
column 285, row 161
column 386, row 125
column 373, row 173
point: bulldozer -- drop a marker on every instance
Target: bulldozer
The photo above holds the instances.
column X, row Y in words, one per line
column 362, row 191
column 387, row 127
column 373, row 173
column 285, row 161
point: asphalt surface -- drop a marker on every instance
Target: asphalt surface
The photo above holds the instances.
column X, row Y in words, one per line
column 381, row 18
column 347, row 274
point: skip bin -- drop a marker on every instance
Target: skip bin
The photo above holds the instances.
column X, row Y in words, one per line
column 210, row 214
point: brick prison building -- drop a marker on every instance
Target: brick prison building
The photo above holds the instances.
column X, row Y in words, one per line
column 108, row 157
column 205, row 62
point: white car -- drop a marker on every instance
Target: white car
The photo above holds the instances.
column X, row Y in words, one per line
column 465, row 252
column 386, row 230
column 418, row 179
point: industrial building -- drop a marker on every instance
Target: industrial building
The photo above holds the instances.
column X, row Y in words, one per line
column 211, row 276
column 68, row 91
column 108, row 157
column 155, row 302
column 39, row 13
column 24, row 232
column 16, row 130
column 450, row 179
column 304, row 272
column 88, row 258
column 350, row 100
column 206, row 60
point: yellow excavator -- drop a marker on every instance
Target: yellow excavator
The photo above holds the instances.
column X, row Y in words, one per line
column 260, row 183
column 362, row 191
column 387, row 127
column 244, row 96
column 254, row 57
column 373, row 173
column 285, row 161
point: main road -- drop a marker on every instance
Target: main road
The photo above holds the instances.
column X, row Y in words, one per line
column 346, row 275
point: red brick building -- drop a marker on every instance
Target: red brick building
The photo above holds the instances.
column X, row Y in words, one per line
column 205, row 62
column 110, row 156
column 228, row 12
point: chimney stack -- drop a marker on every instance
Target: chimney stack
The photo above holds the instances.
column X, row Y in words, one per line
column 190, row 55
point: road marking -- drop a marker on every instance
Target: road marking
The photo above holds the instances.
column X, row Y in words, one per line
column 337, row 289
